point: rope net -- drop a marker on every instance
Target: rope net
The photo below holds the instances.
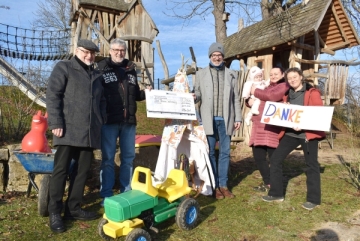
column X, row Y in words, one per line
column 34, row 44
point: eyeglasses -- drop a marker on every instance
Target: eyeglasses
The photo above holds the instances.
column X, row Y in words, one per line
column 86, row 52
column 216, row 55
column 118, row 50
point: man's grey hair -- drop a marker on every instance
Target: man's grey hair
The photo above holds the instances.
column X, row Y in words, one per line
column 118, row 41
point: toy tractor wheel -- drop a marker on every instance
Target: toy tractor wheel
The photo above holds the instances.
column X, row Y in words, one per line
column 138, row 234
column 187, row 214
column 43, row 196
column 102, row 222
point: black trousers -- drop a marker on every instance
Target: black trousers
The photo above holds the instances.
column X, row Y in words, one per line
column 259, row 153
column 62, row 160
column 310, row 149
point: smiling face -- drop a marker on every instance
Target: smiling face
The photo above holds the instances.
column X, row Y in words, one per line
column 295, row 80
column 117, row 52
column 216, row 58
column 86, row 56
column 275, row 75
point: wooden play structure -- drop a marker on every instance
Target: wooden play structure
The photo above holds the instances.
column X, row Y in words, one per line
column 296, row 38
column 102, row 21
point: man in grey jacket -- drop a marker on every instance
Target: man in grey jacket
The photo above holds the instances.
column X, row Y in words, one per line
column 216, row 87
column 76, row 111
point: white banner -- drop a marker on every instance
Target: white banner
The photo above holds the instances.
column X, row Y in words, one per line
column 170, row 105
column 303, row 117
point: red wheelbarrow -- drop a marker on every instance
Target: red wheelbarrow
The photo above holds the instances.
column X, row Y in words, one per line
column 39, row 163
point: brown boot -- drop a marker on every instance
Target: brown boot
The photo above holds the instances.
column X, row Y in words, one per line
column 218, row 194
column 225, row 191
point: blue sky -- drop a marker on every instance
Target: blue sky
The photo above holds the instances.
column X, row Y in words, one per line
column 175, row 37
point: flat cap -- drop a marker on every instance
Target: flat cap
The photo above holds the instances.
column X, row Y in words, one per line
column 87, row 44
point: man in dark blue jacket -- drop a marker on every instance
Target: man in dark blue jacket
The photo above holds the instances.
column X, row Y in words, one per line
column 121, row 92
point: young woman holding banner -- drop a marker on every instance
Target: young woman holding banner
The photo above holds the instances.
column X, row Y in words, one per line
column 300, row 93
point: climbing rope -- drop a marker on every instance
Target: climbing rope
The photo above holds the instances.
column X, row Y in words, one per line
column 34, row 44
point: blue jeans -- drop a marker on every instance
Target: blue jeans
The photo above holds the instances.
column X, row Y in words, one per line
column 220, row 168
column 109, row 134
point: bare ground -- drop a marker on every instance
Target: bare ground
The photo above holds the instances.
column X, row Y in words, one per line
column 343, row 148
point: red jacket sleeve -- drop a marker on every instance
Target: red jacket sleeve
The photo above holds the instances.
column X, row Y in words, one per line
column 314, row 98
column 272, row 93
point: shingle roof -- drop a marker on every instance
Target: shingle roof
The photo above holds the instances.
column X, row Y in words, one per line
column 120, row 5
column 288, row 25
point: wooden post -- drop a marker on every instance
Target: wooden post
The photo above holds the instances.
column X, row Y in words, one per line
column 163, row 62
column 299, row 51
column 240, row 24
column 73, row 33
column 245, row 130
column 194, row 66
column 317, row 56
column 77, row 32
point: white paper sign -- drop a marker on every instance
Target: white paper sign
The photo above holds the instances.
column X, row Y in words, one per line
column 170, row 105
column 304, row 117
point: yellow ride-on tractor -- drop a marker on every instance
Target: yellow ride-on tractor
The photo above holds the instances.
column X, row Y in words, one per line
column 135, row 212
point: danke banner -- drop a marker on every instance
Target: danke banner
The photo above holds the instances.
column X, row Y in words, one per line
column 304, row 117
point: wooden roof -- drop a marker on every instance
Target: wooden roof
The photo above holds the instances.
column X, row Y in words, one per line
column 120, row 5
column 328, row 17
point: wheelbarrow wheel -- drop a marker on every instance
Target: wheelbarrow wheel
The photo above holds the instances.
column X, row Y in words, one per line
column 43, row 198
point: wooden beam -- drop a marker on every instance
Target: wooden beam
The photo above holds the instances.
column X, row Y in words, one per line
column 99, row 8
column 77, row 32
column 136, row 38
column 313, row 75
column 339, row 45
column 317, row 55
column 327, row 51
column 322, row 42
column 303, row 46
column 326, row 62
column 163, row 62
column 170, row 80
column 147, row 65
column 91, row 25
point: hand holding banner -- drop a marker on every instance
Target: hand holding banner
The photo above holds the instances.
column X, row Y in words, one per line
column 298, row 116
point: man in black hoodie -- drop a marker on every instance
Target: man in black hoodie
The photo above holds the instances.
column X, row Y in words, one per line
column 121, row 92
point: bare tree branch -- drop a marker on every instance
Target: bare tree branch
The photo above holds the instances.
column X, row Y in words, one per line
column 357, row 8
column 54, row 14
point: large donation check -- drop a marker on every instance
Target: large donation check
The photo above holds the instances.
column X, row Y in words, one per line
column 170, row 105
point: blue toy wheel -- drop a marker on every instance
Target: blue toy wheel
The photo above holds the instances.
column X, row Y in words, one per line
column 138, row 234
column 191, row 215
column 187, row 214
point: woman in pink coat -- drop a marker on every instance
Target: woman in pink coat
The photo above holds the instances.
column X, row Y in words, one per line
column 264, row 138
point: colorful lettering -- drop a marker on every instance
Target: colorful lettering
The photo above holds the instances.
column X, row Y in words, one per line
column 269, row 109
column 297, row 118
